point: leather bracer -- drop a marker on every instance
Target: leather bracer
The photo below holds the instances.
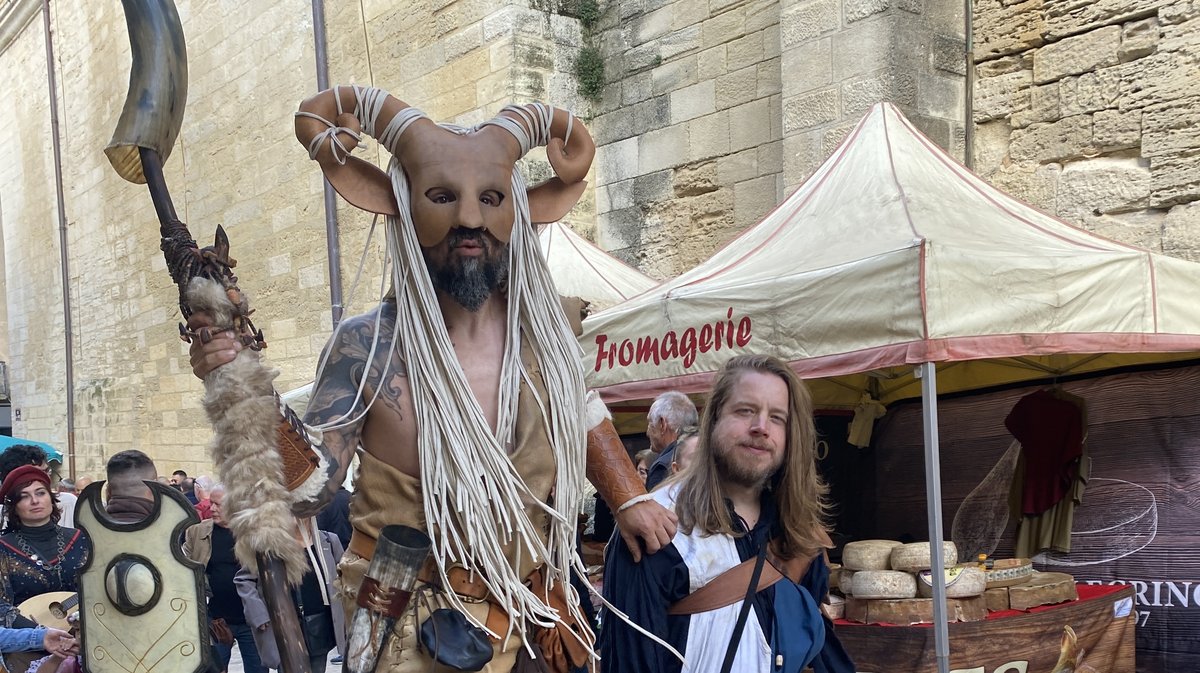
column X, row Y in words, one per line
column 295, row 447
column 609, row 467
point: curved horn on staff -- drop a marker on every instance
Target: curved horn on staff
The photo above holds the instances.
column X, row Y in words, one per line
column 158, row 83
column 570, row 150
column 330, row 136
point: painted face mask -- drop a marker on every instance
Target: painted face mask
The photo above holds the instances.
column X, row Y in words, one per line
column 458, row 181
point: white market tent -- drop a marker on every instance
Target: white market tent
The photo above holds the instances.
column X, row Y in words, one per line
column 893, row 271
column 891, row 255
column 580, row 269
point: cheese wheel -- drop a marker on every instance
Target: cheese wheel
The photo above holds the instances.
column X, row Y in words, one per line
column 961, row 582
column 868, row 554
column 915, row 556
column 835, row 608
column 846, row 582
column 884, row 584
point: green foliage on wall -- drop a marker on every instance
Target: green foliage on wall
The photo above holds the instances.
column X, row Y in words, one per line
column 589, row 72
column 588, row 13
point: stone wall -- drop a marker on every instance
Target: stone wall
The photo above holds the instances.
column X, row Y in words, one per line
column 1090, row 111
column 711, row 112
column 237, row 163
column 715, row 110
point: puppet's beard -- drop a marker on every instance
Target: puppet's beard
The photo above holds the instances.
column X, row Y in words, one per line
column 471, row 281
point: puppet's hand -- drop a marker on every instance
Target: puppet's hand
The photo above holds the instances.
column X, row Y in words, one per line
column 212, row 346
column 649, row 522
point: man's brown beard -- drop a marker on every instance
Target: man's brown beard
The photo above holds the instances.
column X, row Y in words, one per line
column 729, row 468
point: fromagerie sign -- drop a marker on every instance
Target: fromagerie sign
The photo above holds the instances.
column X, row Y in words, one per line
column 673, row 345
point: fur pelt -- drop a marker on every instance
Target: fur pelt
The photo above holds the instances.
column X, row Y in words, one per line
column 240, row 403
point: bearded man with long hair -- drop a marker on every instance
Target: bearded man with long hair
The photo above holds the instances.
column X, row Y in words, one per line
column 751, row 498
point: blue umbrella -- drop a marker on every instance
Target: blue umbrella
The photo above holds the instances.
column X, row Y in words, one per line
column 51, row 452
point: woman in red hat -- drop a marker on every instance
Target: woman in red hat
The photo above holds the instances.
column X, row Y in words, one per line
column 37, row 555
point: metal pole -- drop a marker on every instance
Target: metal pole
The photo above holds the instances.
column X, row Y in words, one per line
column 332, row 244
column 64, row 258
column 969, row 97
column 927, row 372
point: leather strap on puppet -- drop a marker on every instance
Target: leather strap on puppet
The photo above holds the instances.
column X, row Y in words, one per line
column 566, row 646
column 610, row 470
column 295, row 446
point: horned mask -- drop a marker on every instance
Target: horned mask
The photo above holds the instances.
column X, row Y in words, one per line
column 457, row 177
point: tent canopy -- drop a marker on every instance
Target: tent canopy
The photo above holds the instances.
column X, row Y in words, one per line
column 893, row 254
column 52, row 453
column 580, row 269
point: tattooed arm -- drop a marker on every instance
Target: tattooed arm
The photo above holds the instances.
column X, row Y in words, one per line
column 335, row 402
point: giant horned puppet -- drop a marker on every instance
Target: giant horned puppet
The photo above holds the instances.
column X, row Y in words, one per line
column 476, row 504
column 472, row 526
column 472, row 493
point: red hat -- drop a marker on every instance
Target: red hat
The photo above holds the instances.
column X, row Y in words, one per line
column 22, row 477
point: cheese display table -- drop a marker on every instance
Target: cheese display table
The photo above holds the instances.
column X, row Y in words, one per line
column 1096, row 630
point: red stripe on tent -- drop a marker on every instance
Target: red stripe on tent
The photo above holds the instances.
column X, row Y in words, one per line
column 912, row 226
column 958, row 169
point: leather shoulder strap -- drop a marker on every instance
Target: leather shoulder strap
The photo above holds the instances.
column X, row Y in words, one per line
column 725, row 589
column 730, row 586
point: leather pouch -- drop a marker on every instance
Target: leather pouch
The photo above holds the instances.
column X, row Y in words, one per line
column 452, row 640
column 220, row 631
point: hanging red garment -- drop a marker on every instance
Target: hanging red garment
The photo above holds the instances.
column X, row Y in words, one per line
column 1051, row 433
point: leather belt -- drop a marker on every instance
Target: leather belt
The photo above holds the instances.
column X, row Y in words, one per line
column 460, row 581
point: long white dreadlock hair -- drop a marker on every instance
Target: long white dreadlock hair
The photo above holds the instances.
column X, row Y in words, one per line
column 472, row 492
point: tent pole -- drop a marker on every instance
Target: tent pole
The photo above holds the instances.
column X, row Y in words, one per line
column 933, row 499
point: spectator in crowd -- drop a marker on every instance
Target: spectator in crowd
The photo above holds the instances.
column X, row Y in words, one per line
column 685, row 449
column 37, row 556
column 203, row 504
column 335, row 518
column 177, row 478
column 82, row 483
column 643, row 460
column 670, row 412
column 129, row 498
column 603, row 522
column 58, row 644
column 752, row 492
column 322, row 617
column 19, row 455
column 210, row 543
column 66, row 502
column 188, row 486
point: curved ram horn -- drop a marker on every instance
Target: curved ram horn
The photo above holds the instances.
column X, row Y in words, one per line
column 570, row 162
column 570, row 157
column 360, row 182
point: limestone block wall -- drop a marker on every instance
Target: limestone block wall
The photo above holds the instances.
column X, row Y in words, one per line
column 715, row 110
column 842, row 57
column 238, row 164
column 1090, row 111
